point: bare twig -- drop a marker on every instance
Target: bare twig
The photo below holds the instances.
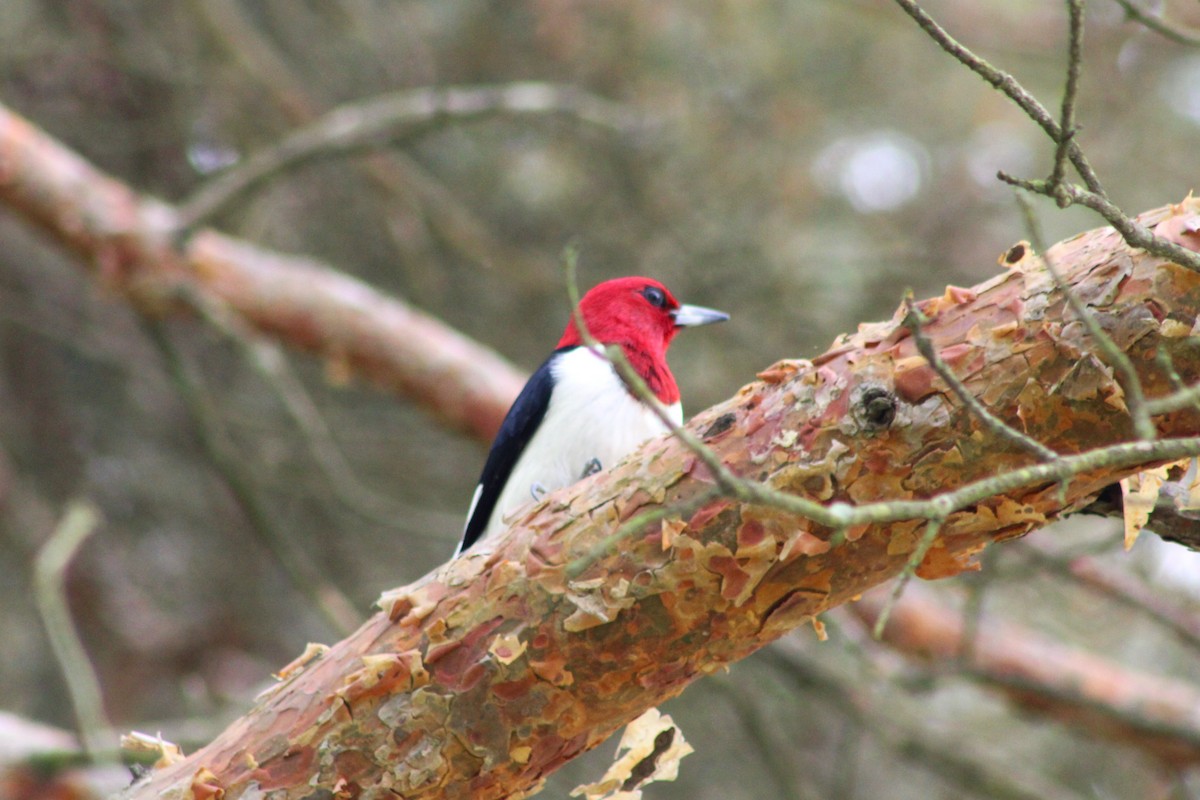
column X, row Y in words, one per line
column 932, row 528
column 1135, row 396
column 376, row 122
column 913, row 320
column 1005, row 83
column 1179, row 399
column 1133, row 232
column 1093, row 196
column 1066, row 126
column 431, row 210
column 50, row 569
column 1151, row 22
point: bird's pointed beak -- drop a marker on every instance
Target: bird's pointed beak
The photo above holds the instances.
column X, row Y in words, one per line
column 692, row 316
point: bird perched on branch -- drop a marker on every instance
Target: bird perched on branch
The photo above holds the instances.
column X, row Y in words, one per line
column 576, row 415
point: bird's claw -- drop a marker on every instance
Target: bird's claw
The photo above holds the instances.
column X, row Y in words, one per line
column 538, row 491
column 591, row 468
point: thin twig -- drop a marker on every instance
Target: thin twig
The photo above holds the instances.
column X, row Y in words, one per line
column 1184, row 396
column 1093, row 196
column 1135, row 396
column 913, row 320
column 1133, row 232
column 1005, row 83
column 334, row 607
column 932, row 528
column 1151, row 22
column 373, row 123
column 50, row 569
column 840, row 515
column 1066, row 125
column 432, row 211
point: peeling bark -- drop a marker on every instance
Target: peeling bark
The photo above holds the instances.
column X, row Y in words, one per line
column 129, row 241
column 492, row 671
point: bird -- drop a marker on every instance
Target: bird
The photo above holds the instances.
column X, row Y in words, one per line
column 575, row 415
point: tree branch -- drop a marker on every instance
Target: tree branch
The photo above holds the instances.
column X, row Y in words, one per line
column 50, row 569
column 1152, row 713
column 417, row 195
column 495, row 669
column 127, row 241
column 375, row 122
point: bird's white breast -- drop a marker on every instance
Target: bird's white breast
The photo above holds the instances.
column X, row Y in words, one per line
column 591, row 416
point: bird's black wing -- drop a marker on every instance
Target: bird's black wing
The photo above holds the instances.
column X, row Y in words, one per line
column 515, row 432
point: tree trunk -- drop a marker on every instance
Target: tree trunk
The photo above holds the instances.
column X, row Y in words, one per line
column 487, row 674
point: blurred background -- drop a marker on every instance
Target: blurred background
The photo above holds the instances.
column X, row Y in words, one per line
column 798, row 164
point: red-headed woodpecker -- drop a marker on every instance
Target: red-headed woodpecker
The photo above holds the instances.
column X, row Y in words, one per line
column 575, row 416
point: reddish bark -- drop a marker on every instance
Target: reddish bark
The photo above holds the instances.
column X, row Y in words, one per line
column 1155, row 714
column 497, row 668
column 129, row 242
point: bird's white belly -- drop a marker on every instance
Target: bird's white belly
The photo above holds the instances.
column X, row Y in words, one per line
column 591, row 416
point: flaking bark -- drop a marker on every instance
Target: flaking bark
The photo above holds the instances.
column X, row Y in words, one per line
column 492, row 671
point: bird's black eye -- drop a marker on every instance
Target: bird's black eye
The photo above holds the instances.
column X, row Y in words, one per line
column 655, row 296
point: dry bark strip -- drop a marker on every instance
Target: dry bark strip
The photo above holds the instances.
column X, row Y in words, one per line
column 129, row 242
column 487, row 674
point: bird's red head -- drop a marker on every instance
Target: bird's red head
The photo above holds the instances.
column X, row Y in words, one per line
column 642, row 316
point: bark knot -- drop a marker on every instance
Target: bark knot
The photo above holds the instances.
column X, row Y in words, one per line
column 876, row 408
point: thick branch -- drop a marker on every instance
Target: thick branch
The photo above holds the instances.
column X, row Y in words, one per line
column 126, row 238
column 489, row 673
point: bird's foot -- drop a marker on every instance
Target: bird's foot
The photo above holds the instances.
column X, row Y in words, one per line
column 591, row 468
column 538, row 491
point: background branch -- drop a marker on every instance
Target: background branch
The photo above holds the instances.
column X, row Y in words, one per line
column 126, row 239
column 375, row 122
column 1156, row 24
column 1150, row 712
column 78, row 523
column 426, row 211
